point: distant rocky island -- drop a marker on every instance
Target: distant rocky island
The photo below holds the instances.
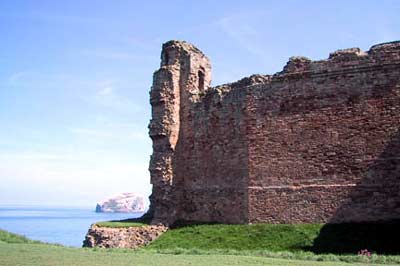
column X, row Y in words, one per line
column 125, row 202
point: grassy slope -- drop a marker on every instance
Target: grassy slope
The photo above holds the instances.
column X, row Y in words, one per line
column 11, row 238
column 240, row 237
column 40, row 254
column 196, row 245
column 381, row 238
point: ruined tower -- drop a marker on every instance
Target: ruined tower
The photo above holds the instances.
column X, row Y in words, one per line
column 317, row 142
column 184, row 75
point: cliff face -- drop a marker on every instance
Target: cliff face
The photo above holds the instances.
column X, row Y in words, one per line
column 316, row 142
column 125, row 202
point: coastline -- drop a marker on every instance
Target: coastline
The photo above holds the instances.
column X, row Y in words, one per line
column 59, row 225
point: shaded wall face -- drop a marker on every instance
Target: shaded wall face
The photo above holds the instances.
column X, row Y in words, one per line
column 212, row 160
column 325, row 147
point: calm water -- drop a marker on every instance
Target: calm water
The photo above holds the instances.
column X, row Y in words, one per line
column 66, row 226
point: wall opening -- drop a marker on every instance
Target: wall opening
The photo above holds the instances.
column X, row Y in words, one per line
column 201, row 77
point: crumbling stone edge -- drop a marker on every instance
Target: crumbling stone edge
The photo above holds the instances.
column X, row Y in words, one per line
column 129, row 237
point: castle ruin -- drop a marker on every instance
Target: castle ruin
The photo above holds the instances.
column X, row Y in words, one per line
column 317, row 142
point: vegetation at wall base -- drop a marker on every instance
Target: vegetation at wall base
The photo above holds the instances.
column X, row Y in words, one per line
column 273, row 237
column 135, row 222
column 381, row 238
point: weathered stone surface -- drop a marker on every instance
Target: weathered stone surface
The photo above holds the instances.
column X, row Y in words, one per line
column 131, row 237
column 182, row 65
column 316, row 142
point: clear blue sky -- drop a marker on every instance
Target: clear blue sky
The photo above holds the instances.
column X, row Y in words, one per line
column 75, row 78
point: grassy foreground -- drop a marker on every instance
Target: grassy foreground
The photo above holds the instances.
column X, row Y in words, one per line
column 42, row 254
column 215, row 244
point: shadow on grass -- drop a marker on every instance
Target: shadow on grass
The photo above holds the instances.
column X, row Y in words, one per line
column 343, row 238
column 381, row 238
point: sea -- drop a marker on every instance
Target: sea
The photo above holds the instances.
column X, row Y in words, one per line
column 60, row 225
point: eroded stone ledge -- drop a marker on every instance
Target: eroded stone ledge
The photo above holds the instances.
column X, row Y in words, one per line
column 130, row 237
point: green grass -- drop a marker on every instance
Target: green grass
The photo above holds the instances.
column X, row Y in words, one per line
column 11, row 238
column 300, row 255
column 219, row 244
column 381, row 238
column 270, row 237
column 18, row 250
column 41, row 254
column 137, row 222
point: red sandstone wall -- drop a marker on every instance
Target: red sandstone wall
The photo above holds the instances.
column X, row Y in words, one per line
column 324, row 143
column 213, row 160
column 317, row 142
column 176, row 88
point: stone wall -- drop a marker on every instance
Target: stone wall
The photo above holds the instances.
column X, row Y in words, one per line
column 317, row 134
column 316, row 142
column 130, row 237
column 216, row 154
